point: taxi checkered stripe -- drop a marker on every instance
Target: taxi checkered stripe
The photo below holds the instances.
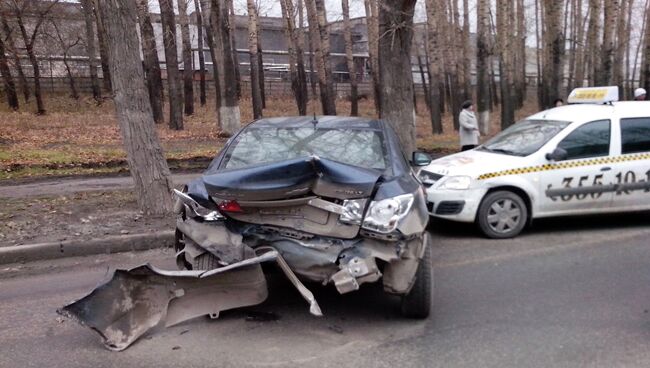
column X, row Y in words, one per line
column 565, row 165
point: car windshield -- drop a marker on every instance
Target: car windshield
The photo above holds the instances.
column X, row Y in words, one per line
column 525, row 137
column 254, row 146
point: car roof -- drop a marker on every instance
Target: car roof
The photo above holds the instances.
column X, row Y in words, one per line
column 324, row 122
column 591, row 112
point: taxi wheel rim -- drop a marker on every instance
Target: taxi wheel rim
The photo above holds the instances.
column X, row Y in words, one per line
column 504, row 215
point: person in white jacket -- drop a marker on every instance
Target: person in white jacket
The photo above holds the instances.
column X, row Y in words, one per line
column 468, row 131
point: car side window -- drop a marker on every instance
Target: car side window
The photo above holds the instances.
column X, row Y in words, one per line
column 589, row 140
column 635, row 135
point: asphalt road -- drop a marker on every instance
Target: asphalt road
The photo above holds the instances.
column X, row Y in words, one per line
column 568, row 293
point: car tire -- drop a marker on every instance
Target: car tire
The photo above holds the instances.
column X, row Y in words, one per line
column 502, row 214
column 417, row 303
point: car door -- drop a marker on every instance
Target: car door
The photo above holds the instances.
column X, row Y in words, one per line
column 580, row 182
column 632, row 168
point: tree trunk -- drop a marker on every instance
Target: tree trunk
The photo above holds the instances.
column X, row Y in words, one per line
column 73, row 87
column 579, row 76
column 7, row 79
column 504, row 14
column 103, row 48
column 605, row 74
column 425, row 87
column 435, row 60
column 29, row 47
column 171, row 61
column 296, row 57
column 199, row 33
column 373, row 45
column 89, row 18
column 645, row 69
column 619, row 49
column 349, row 58
column 446, row 17
column 520, row 72
column 320, row 39
column 188, row 68
column 467, row 59
column 229, row 114
column 145, row 157
column 233, row 45
column 22, row 80
column 254, row 69
column 482, row 66
column 592, row 46
column 554, row 45
column 211, row 24
column 151, row 62
column 260, row 65
column 396, row 79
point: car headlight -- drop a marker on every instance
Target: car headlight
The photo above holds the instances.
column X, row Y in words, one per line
column 353, row 211
column 456, row 183
column 383, row 216
column 428, row 178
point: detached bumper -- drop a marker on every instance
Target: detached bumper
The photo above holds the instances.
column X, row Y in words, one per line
column 455, row 205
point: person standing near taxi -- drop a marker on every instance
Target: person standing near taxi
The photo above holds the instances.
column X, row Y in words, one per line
column 468, row 130
column 639, row 94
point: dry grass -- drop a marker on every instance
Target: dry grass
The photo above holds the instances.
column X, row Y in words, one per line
column 79, row 137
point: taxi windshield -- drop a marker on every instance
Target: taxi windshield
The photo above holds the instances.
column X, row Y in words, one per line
column 524, row 138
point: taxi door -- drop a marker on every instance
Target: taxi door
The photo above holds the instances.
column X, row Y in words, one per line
column 581, row 182
column 632, row 167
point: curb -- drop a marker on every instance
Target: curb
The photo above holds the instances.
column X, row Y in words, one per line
column 75, row 248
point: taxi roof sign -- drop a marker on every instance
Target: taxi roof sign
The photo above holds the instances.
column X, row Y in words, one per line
column 599, row 95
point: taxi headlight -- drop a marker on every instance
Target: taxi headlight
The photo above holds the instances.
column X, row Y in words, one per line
column 427, row 178
column 456, row 183
column 383, row 216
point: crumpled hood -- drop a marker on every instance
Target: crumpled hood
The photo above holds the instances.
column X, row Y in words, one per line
column 293, row 178
column 474, row 163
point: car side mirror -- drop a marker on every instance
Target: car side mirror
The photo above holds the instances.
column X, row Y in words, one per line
column 421, row 159
column 558, row 154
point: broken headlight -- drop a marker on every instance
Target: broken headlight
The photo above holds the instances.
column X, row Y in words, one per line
column 383, row 216
column 353, row 211
column 194, row 209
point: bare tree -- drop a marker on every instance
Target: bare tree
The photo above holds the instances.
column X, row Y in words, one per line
column 65, row 45
column 482, row 68
column 103, row 48
column 467, row 60
column 254, row 60
column 171, row 61
column 619, row 49
column 199, row 34
column 7, row 79
column 645, row 68
column 396, row 29
column 29, row 39
column 604, row 76
column 553, row 71
column 11, row 47
column 188, row 69
column 373, row 47
column 504, row 9
column 87, row 7
column 435, row 60
column 229, row 114
column 580, row 60
column 349, row 58
column 296, row 57
column 151, row 62
column 592, row 46
column 260, row 64
column 321, row 50
column 145, row 156
column 215, row 52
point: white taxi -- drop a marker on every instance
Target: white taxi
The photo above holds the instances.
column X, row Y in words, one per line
column 592, row 156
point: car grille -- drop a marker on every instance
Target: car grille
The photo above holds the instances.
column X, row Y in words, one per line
column 450, row 207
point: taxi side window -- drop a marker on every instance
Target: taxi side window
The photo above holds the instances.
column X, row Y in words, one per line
column 635, row 135
column 589, row 140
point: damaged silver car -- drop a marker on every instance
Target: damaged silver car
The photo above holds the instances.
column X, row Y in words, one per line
column 331, row 200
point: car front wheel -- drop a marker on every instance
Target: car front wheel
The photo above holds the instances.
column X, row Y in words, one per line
column 502, row 214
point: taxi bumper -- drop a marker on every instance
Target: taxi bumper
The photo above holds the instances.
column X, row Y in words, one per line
column 455, row 205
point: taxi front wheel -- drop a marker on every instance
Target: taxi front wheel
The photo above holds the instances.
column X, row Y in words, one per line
column 502, row 214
